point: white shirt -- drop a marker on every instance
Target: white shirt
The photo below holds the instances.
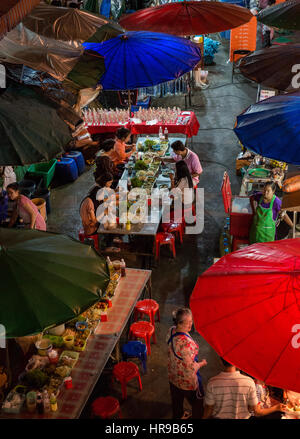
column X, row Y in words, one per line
column 231, row 393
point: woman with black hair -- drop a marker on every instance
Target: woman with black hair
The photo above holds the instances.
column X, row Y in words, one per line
column 183, row 180
column 121, row 155
column 90, row 204
column 266, row 214
column 183, row 366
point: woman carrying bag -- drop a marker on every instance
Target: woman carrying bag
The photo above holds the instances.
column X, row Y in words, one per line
column 183, row 366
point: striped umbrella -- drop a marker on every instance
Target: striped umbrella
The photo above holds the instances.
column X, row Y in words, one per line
column 12, row 12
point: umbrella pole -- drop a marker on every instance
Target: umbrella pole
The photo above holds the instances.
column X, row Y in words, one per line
column 129, row 103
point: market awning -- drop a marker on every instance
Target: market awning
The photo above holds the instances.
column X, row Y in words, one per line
column 12, row 12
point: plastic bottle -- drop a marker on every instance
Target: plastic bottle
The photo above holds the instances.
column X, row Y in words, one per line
column 46, row 401
column 166, row 133
column 110, row 264
column 123, row 267
column 53, row 403
column 160, row 132
column 39, row 403
column 128, row 225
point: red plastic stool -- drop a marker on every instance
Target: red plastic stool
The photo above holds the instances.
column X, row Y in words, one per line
column 82, row 236
column 163, row 238
column 125, row 372
column 175, row 228
column 149, row 307
column 106, row 407
column 143, row 330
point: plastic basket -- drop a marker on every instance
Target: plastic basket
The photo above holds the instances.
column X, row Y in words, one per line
column 45, row 170
column 72, row 354
column 9, row 398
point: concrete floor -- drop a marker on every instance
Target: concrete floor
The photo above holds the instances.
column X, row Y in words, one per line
column 173, row 281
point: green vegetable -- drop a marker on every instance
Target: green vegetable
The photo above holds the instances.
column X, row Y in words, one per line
column 135, row 182
column 140, row 165
column 149, row 143
column 36, row 379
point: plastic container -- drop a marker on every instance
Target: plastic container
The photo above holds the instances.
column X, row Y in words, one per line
column 78, row 157
column 45, row 170
column 70, row 354
column 31, row 401
column 45, row 194
column 57, row 330
column 27, row 187
column 43, row 346
column 41, row 205
column 69, row 341
column 66, row 170
column 16, row 398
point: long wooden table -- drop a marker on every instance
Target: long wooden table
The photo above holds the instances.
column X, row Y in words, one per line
column 100, row 345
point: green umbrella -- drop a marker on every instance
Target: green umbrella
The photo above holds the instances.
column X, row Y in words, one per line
column 92, row 6
column 47, row 279
column 31, row 130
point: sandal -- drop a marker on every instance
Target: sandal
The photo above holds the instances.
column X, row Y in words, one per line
column 186, row 415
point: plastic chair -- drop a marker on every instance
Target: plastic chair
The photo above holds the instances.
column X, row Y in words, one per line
column 163, row 238
column 144, row 330
column 175, row 228
column 106, row 407
column 135, row 349
column 234, row 64
column 149, row 307
column 82, row 236
column 125, row 372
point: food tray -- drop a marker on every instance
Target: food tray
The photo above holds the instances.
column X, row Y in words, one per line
column 259, row 173
column 80, row 348
column 72, row 354
column 17, row 409
column 292, row 413
column 56, row 341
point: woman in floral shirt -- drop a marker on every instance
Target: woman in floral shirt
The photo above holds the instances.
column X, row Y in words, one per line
column 182, row 366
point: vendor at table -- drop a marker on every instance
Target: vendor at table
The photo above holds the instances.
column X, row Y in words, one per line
column 266, row 214
column 104, row 162
column 25, row 209
column 120, row 154
column 90, row 204
column 181, row 152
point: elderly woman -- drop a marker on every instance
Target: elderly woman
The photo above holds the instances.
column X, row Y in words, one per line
column 25, row 209
column 183, row 368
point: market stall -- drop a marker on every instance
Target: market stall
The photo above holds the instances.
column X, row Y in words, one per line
column 260, row 171
column 185, row 122
column 147, row 173
column 85, row 364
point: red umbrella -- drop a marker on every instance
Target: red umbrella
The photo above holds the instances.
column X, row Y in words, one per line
column 247, row 307
column 187, row 18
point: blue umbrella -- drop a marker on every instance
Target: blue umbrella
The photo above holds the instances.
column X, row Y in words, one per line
column 143, row 59
column 271, row 128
